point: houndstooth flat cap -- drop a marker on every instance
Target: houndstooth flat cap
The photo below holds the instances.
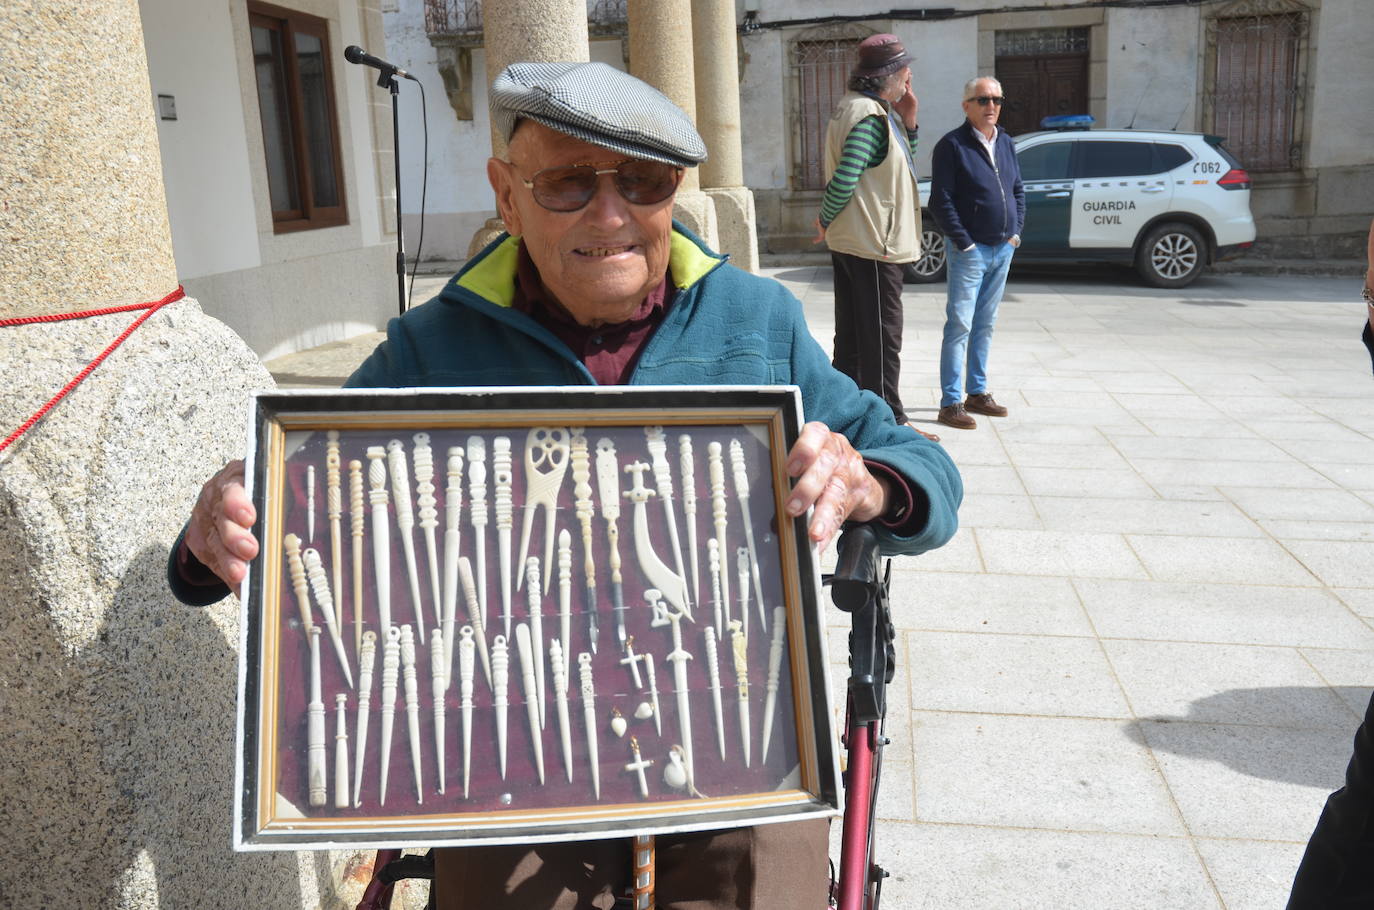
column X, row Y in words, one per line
column 598, row 104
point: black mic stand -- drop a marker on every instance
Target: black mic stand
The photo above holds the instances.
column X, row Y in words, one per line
column 387, row 80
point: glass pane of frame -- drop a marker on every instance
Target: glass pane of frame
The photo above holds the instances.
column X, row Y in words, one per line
column 621, row 629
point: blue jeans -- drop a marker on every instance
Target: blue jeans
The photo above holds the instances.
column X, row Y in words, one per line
column 976, row 280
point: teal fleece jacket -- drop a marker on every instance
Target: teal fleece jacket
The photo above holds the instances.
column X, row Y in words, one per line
column 725, row 327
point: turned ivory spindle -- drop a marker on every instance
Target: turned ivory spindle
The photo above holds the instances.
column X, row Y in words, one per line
column 500, row 678
column 477, row 513
column 689, row 508
column 742, row 568
column 560, row 699
column 526, row 651
column 381, row 536
column 429, row 518
column 292, row 544
column 355, row 517
column 536, row 611
column 584, row 510
column 310, row 503
column 405, row 523
column 715, row 469
column 465, row 671
column 713, row 679
column 608, row 486
column 319, row 584
column 502, row 478
column 653, row 692
column 334, row 507
column 453, row 536
column 713, row 569
column 742, row 491
column 565, row 589
column 588, row 689
column 774, row 667
column 412, row 690
column 475, row 616
column 315, row 763
column 340, row 751
column 436, row 670
column 367, row 657
column 391, row 672
column 739, row 645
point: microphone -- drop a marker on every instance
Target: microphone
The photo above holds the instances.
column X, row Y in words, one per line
column 355, row 54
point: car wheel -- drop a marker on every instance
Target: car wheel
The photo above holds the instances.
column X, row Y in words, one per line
column 1171, row 256
column 931, row 266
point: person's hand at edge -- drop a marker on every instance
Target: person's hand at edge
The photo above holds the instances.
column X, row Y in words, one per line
column 820, row 232
column 219, row 531
column 907, row 106
column 832, row 477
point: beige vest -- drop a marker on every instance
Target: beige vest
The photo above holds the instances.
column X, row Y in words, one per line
column 882, row 220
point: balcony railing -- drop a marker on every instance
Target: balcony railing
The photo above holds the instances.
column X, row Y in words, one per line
column 462, row 19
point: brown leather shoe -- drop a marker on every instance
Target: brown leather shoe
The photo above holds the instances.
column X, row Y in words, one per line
column 956, row 416
column 983, row 404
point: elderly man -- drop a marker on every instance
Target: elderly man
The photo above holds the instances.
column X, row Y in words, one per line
column 870, row 216
column 976, row 196
column 595, row 283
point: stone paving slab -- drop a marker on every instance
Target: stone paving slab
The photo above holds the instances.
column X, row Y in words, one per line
column 1132, row 678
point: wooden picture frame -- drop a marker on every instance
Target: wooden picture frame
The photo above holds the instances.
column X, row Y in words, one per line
column 664, row 762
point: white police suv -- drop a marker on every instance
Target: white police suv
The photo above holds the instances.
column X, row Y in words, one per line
column 1171, row 203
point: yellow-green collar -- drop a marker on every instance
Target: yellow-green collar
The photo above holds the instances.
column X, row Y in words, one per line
column 493, row 278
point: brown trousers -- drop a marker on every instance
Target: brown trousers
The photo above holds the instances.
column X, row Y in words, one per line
column 771, row 867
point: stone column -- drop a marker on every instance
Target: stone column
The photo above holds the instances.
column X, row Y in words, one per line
column 660, row 55
column 119, row 702
column 718, row 118
column 516, row 30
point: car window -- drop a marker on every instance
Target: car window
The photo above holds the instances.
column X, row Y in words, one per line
column 1047, row 161
column 1171, row 156
column 1114, row 159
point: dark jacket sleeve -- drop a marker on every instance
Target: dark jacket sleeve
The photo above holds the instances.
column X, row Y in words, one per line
column 184, row 589
column 1017, row 189
column 944, row 162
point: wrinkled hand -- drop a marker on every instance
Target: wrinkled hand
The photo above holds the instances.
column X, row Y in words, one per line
column 820, row 232
column 833, row 478
column 907, row 106
column 219, row 533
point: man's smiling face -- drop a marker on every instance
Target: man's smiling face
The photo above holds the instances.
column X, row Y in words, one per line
column 599, row 261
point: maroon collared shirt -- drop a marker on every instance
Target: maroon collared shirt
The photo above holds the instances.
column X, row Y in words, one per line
column 608, row 351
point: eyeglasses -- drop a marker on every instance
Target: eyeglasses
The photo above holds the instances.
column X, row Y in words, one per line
column 985, row 100
column 639, row 182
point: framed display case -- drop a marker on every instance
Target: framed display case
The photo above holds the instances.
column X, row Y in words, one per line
column 525, row 615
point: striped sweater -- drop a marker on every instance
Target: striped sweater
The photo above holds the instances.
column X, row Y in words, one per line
column 864, row 147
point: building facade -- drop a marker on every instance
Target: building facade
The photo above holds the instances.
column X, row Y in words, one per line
column 1284, row 81
column 276, row 161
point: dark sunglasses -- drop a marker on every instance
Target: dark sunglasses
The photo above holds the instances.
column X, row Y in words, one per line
column 640, row 182
column 985, row 100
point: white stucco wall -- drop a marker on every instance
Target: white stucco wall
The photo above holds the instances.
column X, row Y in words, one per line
column 765, row 138
column 1152, row 69
column 1342, row 81
column 946, row 55
column 204, row 157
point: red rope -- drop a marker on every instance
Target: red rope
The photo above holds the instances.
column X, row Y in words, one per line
column 151, row 308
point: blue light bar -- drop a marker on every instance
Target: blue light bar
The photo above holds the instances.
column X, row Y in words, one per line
column 1068, row 122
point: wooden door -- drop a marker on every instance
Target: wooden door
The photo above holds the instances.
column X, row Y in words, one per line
column 1041, row 86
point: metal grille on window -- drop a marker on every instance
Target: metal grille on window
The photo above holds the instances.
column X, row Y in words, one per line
column 820, row 68
column 1256, row 87
column 1032, row 42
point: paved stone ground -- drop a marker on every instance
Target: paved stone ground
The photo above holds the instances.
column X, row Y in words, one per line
column 1133, row 676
